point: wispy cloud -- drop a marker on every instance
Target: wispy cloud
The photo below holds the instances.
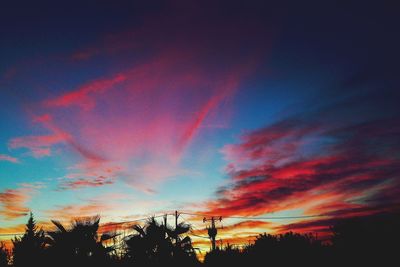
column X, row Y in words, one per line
column 140, row 121
column 69, row 212
column 81, row 96
column 8, row 158
column 40, row 146
column 13, row 201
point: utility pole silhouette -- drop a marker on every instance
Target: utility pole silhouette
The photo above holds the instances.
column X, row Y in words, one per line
column 176, row 226
column 212, row 231
column 165, row 225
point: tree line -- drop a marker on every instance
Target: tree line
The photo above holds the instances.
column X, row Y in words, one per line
column 368, row 241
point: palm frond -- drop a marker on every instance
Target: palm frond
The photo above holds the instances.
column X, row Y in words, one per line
column 139, row 229
column 108, row 236
column 59, row 226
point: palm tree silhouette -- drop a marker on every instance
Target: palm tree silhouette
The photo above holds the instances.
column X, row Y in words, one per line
column 153, row 244
column 78, row 243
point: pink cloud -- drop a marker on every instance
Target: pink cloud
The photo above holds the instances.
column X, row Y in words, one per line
column 81, row 96
column 39, row 145
column 89, row 176
column 145, row 112
column 8, row 158
column 141, row 120
column 209, row 106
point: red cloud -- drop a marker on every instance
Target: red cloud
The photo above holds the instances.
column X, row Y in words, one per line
column 344, row 177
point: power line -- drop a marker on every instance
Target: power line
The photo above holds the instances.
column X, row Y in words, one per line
column 257, row 218
column 198, row 214
column 205, row 237
column 195, row 228
column 136, row 220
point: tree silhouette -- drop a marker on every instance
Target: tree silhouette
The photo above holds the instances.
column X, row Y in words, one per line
column 78, row 244
column 153, row 244
column 182, row 248
column 363, row 241
column 29, row 248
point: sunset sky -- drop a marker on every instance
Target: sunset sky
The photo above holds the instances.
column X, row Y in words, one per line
column 224, row 108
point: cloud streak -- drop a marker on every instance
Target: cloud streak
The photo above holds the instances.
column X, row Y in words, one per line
column 13, row 202
column 81, row 96
column 319, row 166
column 8, row 158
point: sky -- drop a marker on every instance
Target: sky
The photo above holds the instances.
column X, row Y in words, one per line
column 225, row 108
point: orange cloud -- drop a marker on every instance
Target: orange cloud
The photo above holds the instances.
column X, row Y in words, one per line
column 69, row 212
column 13, row 203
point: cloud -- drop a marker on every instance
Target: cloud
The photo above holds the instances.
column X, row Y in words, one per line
column 8, row 158
column 40, row 146
column 91, row 174
column 81, row 96
column 68, row 212
column 4, row 231
column 13, row 201
column 85, row 182
column 141, row 120
column 315, row 163
column 168, row 80
column 189, row 133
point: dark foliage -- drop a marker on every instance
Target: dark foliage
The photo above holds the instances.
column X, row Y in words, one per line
column 29, row 249
column 371, row 241
column 368, row 241
column 157, row 244
column 78, row 245
column 276, row 250
column 4, row 255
